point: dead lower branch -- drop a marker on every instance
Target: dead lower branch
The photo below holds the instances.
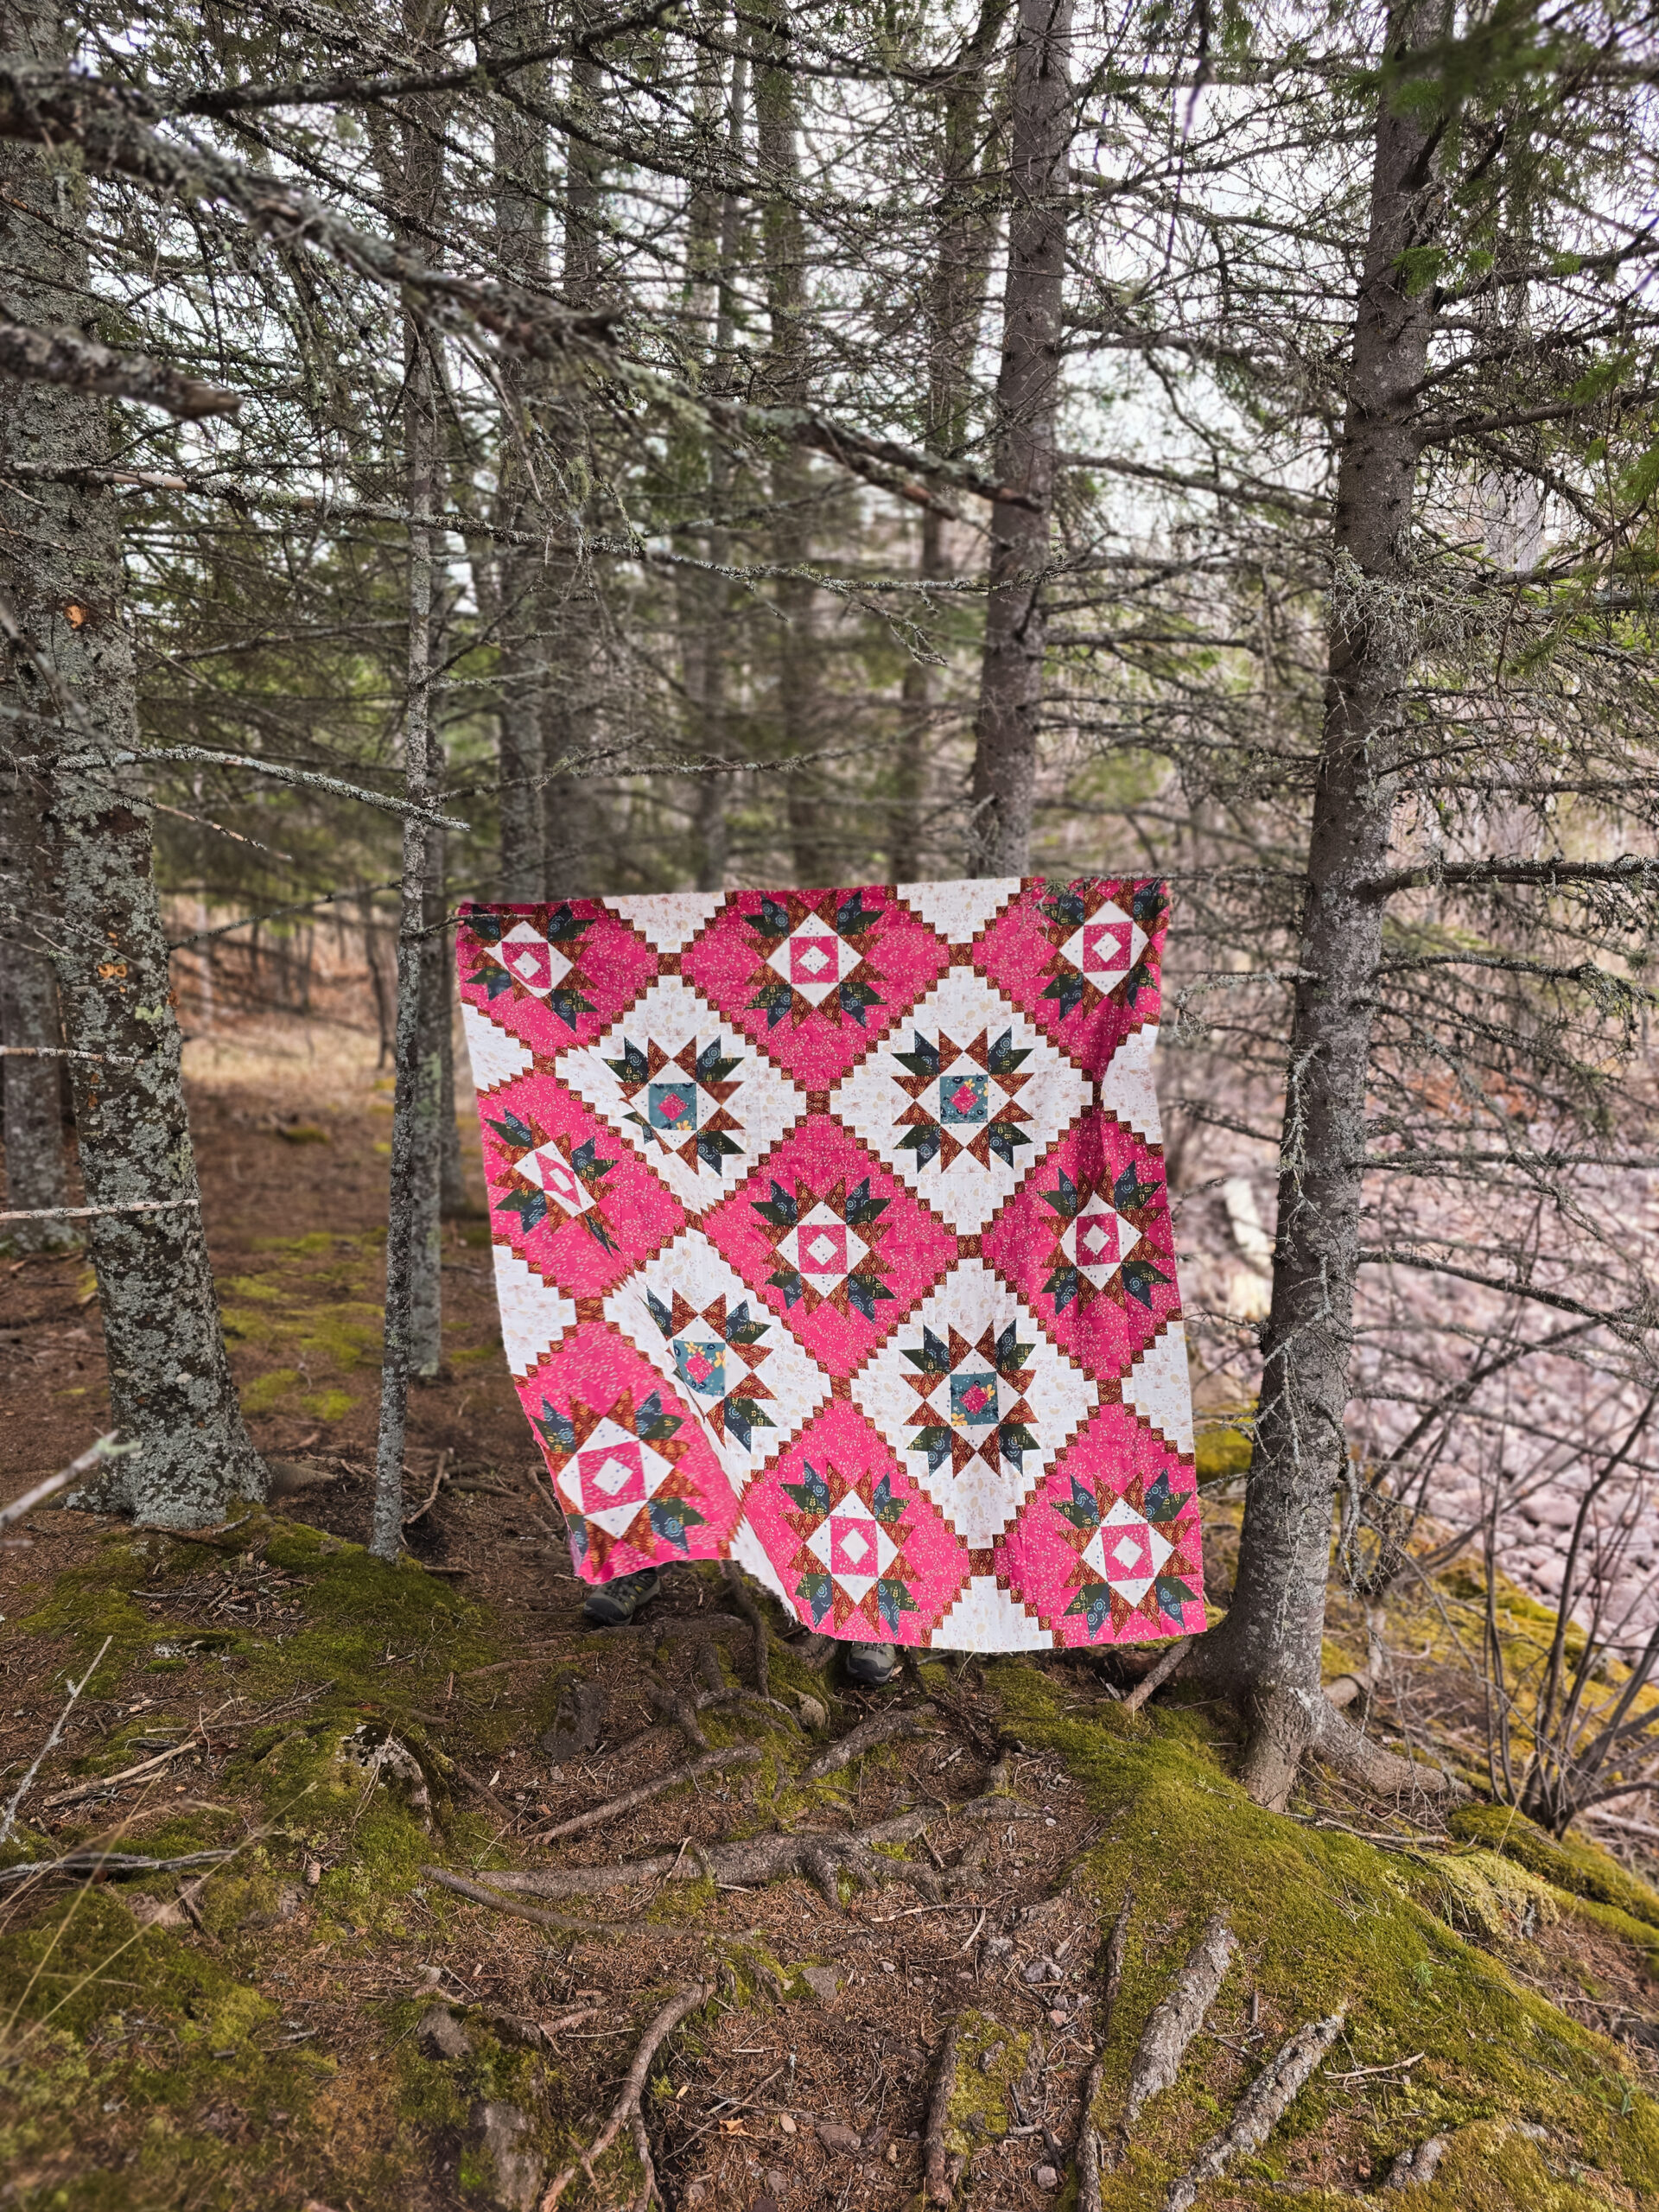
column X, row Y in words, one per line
column 1260, row 2108
column 937, row 2177
column 597, row 1816
column 627, row 2108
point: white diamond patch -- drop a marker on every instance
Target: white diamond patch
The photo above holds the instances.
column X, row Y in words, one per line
column 701, row 1133
column 1158, row 1387
column 533, row 1316
column 961, row 1099
column 496, row 1054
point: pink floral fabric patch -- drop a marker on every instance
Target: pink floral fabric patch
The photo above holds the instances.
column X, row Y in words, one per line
column 831, row 1236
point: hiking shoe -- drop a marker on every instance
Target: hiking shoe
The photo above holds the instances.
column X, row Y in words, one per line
column 614, row 1603
column 872, row 1666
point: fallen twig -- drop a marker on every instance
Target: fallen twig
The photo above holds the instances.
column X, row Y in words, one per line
column 1088, row 2150
column 111, row 1862
column 105, row 1448
column 8, row 1820
column 1178, row 2016
column 498, row 1902
column 480, row 1788
column 936, row 2176
column 425, row 1506
column 627, row 2108
column 597, row 1816
column 1260, row 2109
column 127, row 1774
column 1156, row 1676
column 879, row 1728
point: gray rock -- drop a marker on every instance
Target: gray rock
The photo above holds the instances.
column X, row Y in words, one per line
column 1419, row 2165
column 520, row 2174
column 842, row 2142
column 439, row 2034
column 822, row 1981
column 1047, row 2178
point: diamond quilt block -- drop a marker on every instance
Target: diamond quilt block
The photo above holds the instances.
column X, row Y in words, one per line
column 1087, row 1244
column 637, row 1478
column 961, row 1099
column 1083, row 960
column 551, row 975
column 1110, row 1549
column 857, row 1550
column 832, row 1242
column 564, row 1193
column 815, row 976
column 975, row 1400
column 687, row 1092
column 739, row 1369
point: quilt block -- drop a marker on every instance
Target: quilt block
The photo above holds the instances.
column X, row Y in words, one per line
column 831, row 1236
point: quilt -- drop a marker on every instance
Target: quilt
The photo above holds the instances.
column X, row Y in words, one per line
column 832, row 1236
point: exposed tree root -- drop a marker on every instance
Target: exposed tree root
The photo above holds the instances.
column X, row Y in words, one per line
column 1419, row 2164
column 879, row 1728
column 625, row 2111
column 680, row 1711
column 497, row 1903
column 935, row 2168
column 597, row 1816
column 1178, row 2016
column 738, row 1591
column 1156, row 1676
column 1288, row 1725
column 820, row 1854
column 1088, row 2146
column 479, row 1788
column 814, row 1651
column 1260, row 2108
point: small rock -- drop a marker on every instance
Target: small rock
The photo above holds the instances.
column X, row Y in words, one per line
column 1047, row 2178
column 290, row 1898
column 1042, row 1970
column 157, row 1912
column 1057, row 2017
column 842, row 2142
column 813, row 1711
column 1419, row 2164
column 777, row 2180
column 822, row 1981
column 440, row 2034
column 514, row 2028
column 313, row 1873
column 519, row 2173
column 988, row 2058
column 785, row 2123
column 997, row 1947
column 696, row 2192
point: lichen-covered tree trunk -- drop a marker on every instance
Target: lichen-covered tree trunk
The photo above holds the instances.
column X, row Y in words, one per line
column 1268, row 1653
column 70, row 702
column 1027, row 397
column 32, row 1070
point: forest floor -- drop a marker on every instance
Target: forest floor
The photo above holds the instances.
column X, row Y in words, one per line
column 316, row 2015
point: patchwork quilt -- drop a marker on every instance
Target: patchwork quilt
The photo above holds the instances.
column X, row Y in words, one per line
column 832, row 1236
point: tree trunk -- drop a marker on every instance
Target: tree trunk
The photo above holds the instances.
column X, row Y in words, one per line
column 1028, row 394
column 71, row 699
column 787, row 383
column 955, row 301
column 520, row 193
column 36, row 1177
column 567, row 614
column 1268, row 1653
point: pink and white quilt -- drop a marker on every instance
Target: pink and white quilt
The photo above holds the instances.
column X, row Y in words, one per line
column 832, row 1236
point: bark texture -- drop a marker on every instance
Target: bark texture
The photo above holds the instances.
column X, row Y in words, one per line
column 1027, row 395
column 33, row 1129
column 70, row 700
column 1268, row 1650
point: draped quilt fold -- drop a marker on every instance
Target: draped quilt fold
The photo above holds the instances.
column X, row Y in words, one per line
column 832, row 1236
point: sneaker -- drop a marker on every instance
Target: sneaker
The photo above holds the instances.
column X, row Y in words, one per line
column 872, row 1666
column 614, row 1603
